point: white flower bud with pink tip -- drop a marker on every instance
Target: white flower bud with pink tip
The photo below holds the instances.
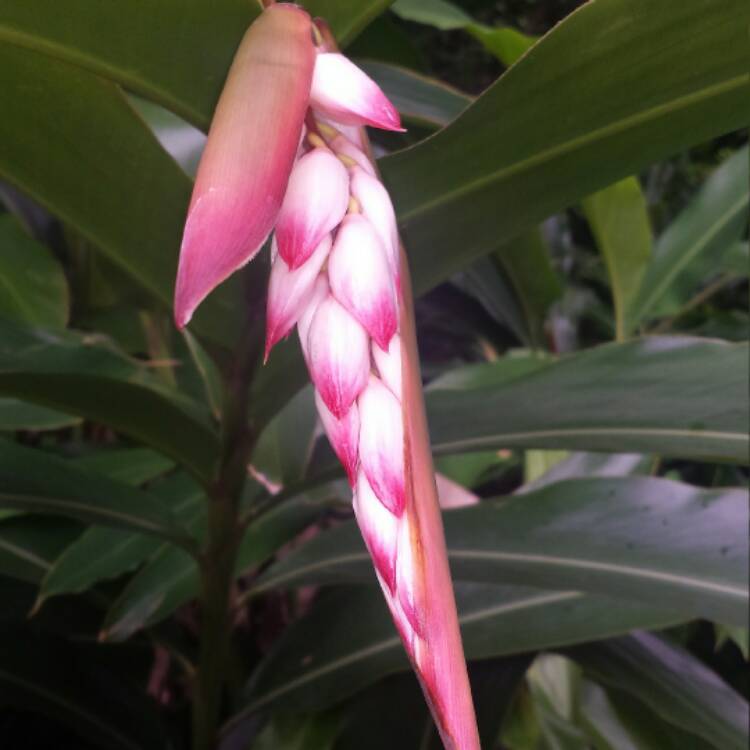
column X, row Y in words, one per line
column 361, row 278
column 379, row 528
column 343, row 434
column 388, row 363
column 289, row 292
column 381, row 444
column 320, row 291
column 338, row 356
column 375, row 205
column 342, row 146
column 316, row 200
column 346, row 94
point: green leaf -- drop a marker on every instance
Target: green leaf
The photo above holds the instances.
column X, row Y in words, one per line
column 175, row 52
column 348, row 641
column 578, row 465
column 511, row 159
column 675, row 396
column 79, row 688
column 33, row 288
column 30, row 544
column 526, row 261
column 103, row 553
column 650, row 540
column 618, row 216
column 34, row 481
column 484, row 281
column 170, row 578
column 505, row 43
column 181, row 140
column 692, row 245
column 438, row 13
column 19, row 415
column 134, row 211
column 421, row 100
column 133, row 466
column 617, row 721
column 84, row 375
column 738, row 636
column 673, row 683
column 51, row 103
column 284, row 449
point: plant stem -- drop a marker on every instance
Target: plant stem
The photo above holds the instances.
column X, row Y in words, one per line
column 224, row 527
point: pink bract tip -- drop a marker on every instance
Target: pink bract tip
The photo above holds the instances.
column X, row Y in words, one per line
column 346, row 94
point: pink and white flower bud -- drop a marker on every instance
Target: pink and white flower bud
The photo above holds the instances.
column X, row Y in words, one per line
column 343, row 435
column 345, row 93
column 379, row 528
column 342, row 146
column 381, row 444
column 361, row 278
column 315, row 202
column 289, row 292
column 388, row 363
column 338, row 356
column 375, row 204
column 320, row 291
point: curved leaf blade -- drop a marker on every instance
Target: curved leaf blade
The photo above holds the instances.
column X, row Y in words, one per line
column 33, row 288
column 34, row 481
column 614, row 67
column 347, row 640
column 673, row 396
column 691, row 246
column 647, row 540
column 619, row 220
column 673, row 683
column 86, row 376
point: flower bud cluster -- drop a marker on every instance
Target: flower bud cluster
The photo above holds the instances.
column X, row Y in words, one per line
column 335, row 275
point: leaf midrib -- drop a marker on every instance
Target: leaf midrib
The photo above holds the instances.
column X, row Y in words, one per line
column 553, row 561
column 91, row 510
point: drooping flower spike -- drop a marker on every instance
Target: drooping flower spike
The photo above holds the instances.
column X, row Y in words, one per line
column 296, row 159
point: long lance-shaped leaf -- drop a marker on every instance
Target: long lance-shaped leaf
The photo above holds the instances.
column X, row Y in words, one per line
column 346, row 641
column 615, row 68
column 175, row 52
column 649, row 540
column 673, row 682
column 691, row 246
column 34, row 481
column 85, row 375
column 673, row 396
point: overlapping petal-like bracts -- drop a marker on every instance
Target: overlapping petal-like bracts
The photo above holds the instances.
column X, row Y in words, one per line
column 314, row 204
column 340, row 275
column 242, row 178
column 361, row 278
